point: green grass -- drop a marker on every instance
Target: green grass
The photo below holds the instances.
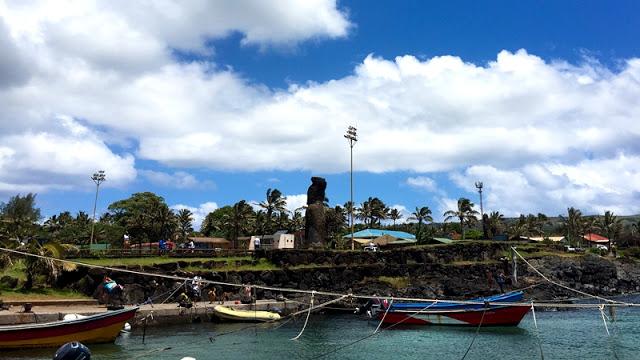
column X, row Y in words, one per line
column 262, row 265
column 16, row 271
column 40, row 294
column 157, row 260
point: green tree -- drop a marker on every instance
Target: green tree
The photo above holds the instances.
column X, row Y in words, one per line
column 239, row 220
column 20, row 217
column 394, row 215
column 572, row 225
column 495, row 224
column 421, row 215
column 464, row 213
column 274, row 203
column 372, row 212
column 185, row 223
column 612, row 226
column 145, row 216
column 213, row 223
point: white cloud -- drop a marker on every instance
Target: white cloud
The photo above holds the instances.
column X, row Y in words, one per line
column 62, row 158
column 591, row 185
column 423, row 182
column 518, row 120
column 296, row 201
column 199, row 213
column 179, row 179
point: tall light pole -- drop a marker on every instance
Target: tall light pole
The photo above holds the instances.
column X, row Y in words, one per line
column 98, row 178
column 352, row 137
column 479, row 186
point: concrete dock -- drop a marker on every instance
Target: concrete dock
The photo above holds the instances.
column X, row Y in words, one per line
column 155, row 314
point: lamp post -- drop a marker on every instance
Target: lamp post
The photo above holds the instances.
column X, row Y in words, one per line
column 479, row 186
column 98, row 178
column 352, row 137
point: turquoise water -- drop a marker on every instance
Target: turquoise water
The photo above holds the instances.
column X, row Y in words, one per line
column 563, row 334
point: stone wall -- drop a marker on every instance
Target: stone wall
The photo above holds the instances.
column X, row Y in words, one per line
column 423, row 273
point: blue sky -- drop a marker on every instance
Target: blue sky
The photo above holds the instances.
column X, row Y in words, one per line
column 206, row 103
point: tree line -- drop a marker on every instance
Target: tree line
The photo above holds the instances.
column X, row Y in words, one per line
column 145, row 217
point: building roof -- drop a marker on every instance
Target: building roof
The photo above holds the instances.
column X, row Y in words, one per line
column 442, row 240
column 374, row 233
column 542, row 238
column 209, row 240
column 595, row 238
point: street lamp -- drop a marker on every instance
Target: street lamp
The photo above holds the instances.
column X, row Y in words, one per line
column 479, row 186
column 352, row 137
column 98, row 178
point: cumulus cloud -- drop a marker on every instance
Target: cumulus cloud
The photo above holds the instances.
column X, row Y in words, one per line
column 199, row 212
column 423, row 182
column 593, row 185
column 62, row 158
column 296, row 202
column 518, row 120
column 178, row 179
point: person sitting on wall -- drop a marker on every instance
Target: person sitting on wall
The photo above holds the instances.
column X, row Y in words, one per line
column 184, row 301
column 110, row 292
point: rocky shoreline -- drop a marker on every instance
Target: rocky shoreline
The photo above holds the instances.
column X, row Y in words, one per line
column 458, row 271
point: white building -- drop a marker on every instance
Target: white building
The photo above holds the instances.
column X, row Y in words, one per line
column 279, row 240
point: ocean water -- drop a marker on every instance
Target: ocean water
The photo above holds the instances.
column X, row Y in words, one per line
column 571, row 335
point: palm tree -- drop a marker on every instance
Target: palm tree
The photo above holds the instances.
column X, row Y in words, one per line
column 394, row 214
column 495, row 223
column 185, row 223
column 464, row 213
column 274, row 203
column 611, row 226
column 572, row 225
column 239, row 220
column 421, row 215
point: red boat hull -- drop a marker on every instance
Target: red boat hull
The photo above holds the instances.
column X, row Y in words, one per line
column 100, row 328
column 501, row 316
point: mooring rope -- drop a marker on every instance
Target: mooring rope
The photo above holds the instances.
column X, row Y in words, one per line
column 334, row 294
column 562, row 285
column 535, row 323
column 335, row 350
column 384, row 316
column 484, row 311
column 174, row 291
column 306, row 321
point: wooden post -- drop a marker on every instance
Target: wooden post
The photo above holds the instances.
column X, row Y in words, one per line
column 515, row 266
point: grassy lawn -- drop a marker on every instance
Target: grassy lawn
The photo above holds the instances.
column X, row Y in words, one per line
column 262, row 265
column 156, row 260
column 40, row 294
column 15, row 271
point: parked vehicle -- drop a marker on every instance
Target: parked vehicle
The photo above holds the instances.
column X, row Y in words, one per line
column 371, row 247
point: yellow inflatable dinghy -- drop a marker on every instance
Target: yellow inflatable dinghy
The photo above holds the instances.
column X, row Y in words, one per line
column 227, row 313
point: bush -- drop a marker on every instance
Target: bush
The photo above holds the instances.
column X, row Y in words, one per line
column 633, row 252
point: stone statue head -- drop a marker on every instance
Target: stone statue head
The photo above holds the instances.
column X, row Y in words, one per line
column 316, row 194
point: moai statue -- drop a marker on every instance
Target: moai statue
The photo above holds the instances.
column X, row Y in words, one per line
column 315, row 222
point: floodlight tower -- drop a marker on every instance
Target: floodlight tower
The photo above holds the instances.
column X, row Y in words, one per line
column 98, row 178
column 352, row 137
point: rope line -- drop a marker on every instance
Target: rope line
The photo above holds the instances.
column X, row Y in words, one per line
column 306, row 321
column 384, row 316
column 535, row 323
column 477, row 332
column 562, row 285
column 335, row 350
column 610, row 303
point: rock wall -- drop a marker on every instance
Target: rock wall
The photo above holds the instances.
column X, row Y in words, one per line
column 429, row 272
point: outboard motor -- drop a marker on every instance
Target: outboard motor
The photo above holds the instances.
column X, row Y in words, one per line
column 73, row 351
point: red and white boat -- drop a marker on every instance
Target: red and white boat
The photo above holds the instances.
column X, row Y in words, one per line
column 490, row 311
column 99, row 328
